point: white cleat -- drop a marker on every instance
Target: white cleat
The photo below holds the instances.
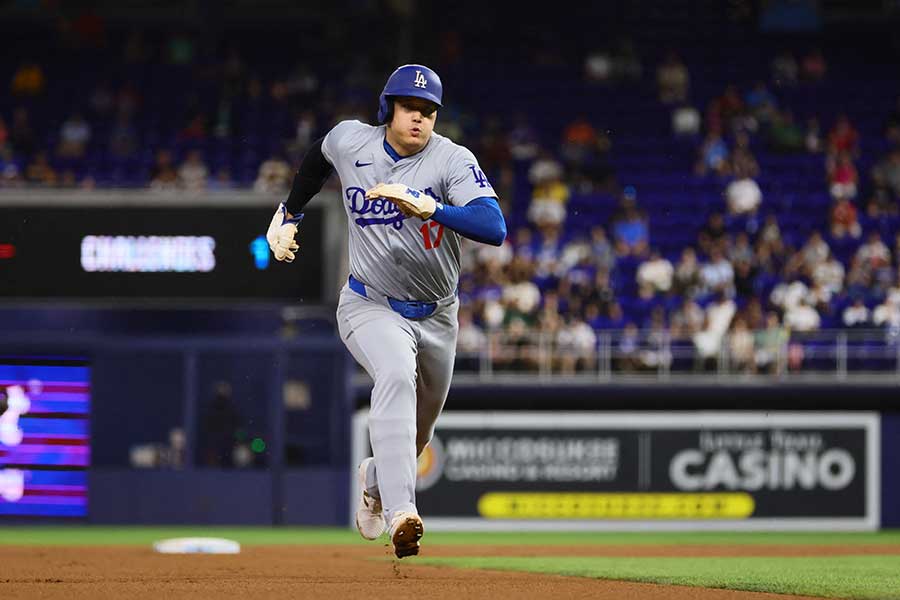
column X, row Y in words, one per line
column 369, row 516
column 406, row 531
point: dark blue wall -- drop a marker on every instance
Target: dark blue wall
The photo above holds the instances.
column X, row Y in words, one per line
column 313, row 496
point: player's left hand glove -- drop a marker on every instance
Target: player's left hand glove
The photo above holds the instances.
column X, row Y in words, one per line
column 281, row 234
column 411, row 203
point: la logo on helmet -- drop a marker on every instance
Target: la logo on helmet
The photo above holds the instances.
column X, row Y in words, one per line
column 420, row 80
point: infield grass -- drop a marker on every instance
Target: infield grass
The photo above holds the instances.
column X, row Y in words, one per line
column 867, row 577
column 77, row 535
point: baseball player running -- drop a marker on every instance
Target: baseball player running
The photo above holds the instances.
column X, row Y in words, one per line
column 410, row 196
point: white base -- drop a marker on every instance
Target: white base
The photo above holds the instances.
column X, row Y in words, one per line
column 197, row 545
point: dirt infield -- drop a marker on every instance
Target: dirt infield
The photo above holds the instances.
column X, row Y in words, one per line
column 344, row 572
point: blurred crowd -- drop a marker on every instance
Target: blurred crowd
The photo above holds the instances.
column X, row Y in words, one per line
column 741, row 288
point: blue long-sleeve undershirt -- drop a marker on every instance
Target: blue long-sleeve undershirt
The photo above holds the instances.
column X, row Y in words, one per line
column 480, row 220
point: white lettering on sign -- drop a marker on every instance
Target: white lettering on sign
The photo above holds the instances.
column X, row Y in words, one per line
column 148, row 254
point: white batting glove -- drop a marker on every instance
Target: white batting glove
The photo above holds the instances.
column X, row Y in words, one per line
column 411, row 203
column 281, row 234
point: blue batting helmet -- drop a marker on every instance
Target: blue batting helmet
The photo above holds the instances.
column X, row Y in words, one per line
column 410, row 80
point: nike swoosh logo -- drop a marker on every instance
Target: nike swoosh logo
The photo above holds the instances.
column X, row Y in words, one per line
column 362, row 164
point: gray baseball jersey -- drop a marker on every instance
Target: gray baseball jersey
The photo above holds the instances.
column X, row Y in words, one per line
column 403, row 257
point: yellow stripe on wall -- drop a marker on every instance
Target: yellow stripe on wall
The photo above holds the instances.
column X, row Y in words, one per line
column 563, row 505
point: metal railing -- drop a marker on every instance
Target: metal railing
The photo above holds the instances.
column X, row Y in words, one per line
column 856, row 355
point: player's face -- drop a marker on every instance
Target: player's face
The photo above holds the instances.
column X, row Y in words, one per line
column 412, row 124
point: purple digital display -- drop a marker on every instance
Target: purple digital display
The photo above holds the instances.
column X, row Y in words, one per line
column 44, row 437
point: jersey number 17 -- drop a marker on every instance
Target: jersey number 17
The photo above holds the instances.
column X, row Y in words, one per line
column 431, row 244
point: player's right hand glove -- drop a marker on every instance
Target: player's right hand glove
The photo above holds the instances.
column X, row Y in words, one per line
column 281, row 234
column 411, row 203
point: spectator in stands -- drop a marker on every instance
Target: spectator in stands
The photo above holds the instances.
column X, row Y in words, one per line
column 813, row 138
column 520, row 295
column 615, row 317
column 785, row 70
column 575, row 261
column 686, row 281
column 123, row 137
column 74, row 136
column 21, row 134
column 524, row 142
column 814, row 252
column 761, row 103
column 656, row 273
column 626, row 354
column 770, row 236
column 813, row 67
column 687, row 319
column 784, row 134
column 657, row 351
column 579, row 136
column 712, row 156
column 28, row 81
column 576, row 345
column 598, row 66
column 887, row 314
column 886, row 173
column 547, row 253
column 856, row 316
column 713, row 234
column 844, row 221
column 708, row 341
column 222, row 181
column 632, row 235
column 192, row 174
column 602, row 250
column 673, row 80
column 874, row 255
column 728, row 112
column 163, row 177
column 601, row 293
column 686, row 120
column 194, row 129
column 40, row 173
column 717, row 274
column 304, row 132
column 740, row 346
column 842, row 177
column 550, row 193
column 881, row 204
column 843, row 137
column 470, row 340
column 524, row 243
column 274, row 176
column 829, row 273
column 743, row 195
column 770, row 345
column 740, row 249
column 742, row 162
column 801, row 316
column 745, row 274
column 10, row 169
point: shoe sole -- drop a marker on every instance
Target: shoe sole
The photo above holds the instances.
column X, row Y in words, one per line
column 406, row 537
